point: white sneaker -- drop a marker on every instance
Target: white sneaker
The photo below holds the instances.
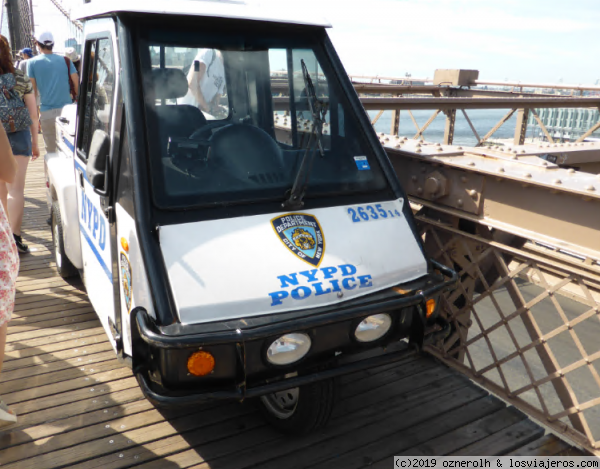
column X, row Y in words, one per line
column 7, row 416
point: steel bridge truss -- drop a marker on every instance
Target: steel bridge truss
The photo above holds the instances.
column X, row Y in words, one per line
column 448, row 100
column 512, row 333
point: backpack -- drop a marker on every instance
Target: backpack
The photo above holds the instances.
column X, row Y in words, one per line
column 13, row 112
column 71, row 86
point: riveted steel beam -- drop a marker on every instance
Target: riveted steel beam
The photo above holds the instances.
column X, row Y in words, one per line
column 589, row 132
column 476, row 103
column 429, row 121
column 496, row 127
column 449, row 127
column 513, row 190
column 395, row 126
column 542, row 126
column 521, row 127
column 378, row 104
column 449, row 91
column 280, row 85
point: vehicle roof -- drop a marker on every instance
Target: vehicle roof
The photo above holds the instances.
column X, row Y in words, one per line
column 234, row 9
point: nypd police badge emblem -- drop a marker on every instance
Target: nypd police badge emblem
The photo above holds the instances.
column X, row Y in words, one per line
column 126, row 280
column 302, row 235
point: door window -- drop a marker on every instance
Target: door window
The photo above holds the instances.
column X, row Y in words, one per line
column 97, row 91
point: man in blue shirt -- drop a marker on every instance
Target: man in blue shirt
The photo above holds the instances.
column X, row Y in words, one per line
column 50, row 76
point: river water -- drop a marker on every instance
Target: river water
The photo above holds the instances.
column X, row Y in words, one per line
column 482, row 119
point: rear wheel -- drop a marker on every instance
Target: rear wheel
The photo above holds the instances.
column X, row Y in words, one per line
column 63, row 265
column 300, row 410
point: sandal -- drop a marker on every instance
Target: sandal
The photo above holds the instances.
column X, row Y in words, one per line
column 7, row 416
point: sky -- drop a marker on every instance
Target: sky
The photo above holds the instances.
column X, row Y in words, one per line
column 520, row 40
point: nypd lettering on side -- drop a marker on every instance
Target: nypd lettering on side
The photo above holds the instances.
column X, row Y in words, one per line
column 302, row 235
column 93, row 222
column 324, row 281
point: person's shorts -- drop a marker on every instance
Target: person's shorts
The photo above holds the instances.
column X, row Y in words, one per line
column 20, row 142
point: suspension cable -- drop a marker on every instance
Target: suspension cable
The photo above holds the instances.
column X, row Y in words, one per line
column 76, row 23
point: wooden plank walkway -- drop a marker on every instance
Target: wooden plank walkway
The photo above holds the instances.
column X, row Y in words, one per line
column 79, row 407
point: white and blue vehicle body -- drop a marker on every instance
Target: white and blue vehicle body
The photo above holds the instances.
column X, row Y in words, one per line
column 274, row 218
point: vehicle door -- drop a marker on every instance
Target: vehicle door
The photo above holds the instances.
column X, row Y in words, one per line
column 96, row 112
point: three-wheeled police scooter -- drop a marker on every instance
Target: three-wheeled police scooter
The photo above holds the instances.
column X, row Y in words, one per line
column 238, row 226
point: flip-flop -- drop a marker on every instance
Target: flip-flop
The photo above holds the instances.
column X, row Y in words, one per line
column 7, row 416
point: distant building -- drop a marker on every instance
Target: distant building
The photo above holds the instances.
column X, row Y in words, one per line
column 566, row 124
column 407, row 82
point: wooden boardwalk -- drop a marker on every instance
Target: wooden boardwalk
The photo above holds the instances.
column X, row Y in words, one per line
column 79, row 407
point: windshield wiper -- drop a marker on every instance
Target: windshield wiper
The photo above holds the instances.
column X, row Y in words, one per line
column 318, row 109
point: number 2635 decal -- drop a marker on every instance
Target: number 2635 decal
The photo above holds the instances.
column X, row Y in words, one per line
column 371, row 212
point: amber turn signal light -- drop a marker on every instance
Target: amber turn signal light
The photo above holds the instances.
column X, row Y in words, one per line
column 430, row 306
column 124, row 245
column 200, row 363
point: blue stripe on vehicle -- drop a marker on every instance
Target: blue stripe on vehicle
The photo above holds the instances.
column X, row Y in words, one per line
column 82, row 169
column 95, row 251
column 68, row 144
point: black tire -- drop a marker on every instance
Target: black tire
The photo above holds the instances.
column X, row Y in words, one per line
column 63, row 265
column 307, row 411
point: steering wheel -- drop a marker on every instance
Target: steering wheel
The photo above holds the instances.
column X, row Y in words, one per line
column 205, row 132
column 247, row 153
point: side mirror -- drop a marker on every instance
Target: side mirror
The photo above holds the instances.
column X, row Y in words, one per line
column 97, row 163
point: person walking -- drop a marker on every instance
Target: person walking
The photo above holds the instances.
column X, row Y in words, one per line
column 9, row 264
column 19, row 59
column 206, row 81
column 74, row 57
column 53, row 79
column 18, row 112
column 25, row 55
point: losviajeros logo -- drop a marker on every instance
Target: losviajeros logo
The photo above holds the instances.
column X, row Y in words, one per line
column 302, row 235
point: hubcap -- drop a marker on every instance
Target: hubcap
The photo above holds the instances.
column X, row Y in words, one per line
column 57, row 253
column 282, row 404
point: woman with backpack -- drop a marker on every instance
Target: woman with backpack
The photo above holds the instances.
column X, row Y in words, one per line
column 18, row 112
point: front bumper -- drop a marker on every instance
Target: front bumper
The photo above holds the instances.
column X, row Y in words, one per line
column 241, row 371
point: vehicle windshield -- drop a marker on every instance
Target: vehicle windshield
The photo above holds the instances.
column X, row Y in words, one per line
column 229, row 120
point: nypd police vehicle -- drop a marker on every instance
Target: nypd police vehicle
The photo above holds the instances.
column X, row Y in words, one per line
column 238, row 227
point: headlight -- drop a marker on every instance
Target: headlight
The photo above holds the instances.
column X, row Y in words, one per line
column 288, row 349
column 373, row 328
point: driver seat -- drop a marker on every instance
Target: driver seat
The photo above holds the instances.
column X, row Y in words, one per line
column 175, row 120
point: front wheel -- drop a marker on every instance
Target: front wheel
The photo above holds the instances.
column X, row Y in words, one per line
column 63, row 265
column 301, row 410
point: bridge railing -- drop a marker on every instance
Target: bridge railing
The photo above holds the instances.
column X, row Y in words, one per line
column 448, row 100
column 525, row 326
